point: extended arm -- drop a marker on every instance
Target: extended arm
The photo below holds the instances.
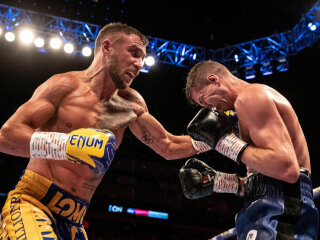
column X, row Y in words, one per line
column 150, row 131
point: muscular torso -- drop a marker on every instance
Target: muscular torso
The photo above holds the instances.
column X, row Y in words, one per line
column 82, row 109
column 291, row 122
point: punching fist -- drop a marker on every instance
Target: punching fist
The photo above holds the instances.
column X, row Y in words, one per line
column 198, row 180
column 93, row 147
column 213, row 127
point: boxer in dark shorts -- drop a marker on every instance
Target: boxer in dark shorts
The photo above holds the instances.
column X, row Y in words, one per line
column 278, row 210
column 271, row 144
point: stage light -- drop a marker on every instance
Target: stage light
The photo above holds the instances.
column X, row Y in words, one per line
column 26, row 36
column 283, row 64
column 0, row 30
column 55, row 43
column 312, row 26
column 149, row 61
column 145, row 69
column 236, row 58
column 39, row 42
column 194, row 56
column 68, row 48
column 249, row 72
column 266, row 68
column 10, row 36
column 86, row 51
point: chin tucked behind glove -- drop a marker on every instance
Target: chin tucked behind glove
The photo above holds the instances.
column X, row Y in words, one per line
column 199, row 180
column 213, row 127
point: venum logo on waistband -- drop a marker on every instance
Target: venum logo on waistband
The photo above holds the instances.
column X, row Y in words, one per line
column 67, row 207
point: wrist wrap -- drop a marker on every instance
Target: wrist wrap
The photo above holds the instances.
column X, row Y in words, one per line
column 49, row 145
column 231, row 146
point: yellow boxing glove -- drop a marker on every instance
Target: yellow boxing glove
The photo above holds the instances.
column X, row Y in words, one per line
column 93, row 147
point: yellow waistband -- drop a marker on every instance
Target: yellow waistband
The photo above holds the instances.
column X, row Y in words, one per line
column 60, row 202
column 33, row 184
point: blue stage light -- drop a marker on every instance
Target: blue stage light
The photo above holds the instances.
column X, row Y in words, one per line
column 249, row 73
column 266, row 68
column 283, row 65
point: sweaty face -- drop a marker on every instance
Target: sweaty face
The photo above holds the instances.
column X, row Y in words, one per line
column 126, row 60
column 211, row 96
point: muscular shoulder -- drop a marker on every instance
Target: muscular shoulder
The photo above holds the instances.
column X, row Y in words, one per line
column 255, row 100
column 133, row 96
column 253, row 95
column 57, row 87
column 66, row 81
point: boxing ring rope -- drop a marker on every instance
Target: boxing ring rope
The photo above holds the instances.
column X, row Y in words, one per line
column 233, row 232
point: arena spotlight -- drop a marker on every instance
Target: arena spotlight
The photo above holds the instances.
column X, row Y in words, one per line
column 312, row 26
column 55, row 43
column 68, row 48
column 26, row 36
column 149, row 61
column 236, row 58
column 39, row 42
column 86, row 51
column 266, row 68
column 10, row 36
column 283, row 64
column 249, row 72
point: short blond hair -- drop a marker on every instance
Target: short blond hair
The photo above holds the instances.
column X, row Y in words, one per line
column 198, row 73
column 113, row 28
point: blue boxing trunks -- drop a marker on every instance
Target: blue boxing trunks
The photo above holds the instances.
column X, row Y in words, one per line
column 278, row 210
column 38, row 209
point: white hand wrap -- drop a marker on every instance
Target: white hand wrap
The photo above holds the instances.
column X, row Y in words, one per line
column 230, row 146
column 226, row 183
column 200, row 146
column 49, row 145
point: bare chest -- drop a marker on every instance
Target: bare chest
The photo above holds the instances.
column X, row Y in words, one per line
column 86, row 111
column 77, row 112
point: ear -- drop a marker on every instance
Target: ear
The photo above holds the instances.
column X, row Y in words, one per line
column 213, row 79
column 105, row 46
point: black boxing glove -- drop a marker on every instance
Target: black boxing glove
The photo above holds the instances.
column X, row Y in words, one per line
column 213, row 127
column 198, row 180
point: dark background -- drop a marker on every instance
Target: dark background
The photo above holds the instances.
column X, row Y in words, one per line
column 138, row 177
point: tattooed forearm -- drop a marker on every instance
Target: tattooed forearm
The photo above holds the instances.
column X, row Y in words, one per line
column 147, row 138
column 89, row 186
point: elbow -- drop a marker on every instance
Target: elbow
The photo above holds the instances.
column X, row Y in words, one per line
column 1, row 137
column 6, row 130
column 288, row 168
column 3, row 132
column 292, row 175
column 291, row 171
